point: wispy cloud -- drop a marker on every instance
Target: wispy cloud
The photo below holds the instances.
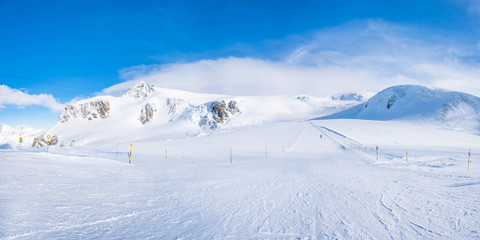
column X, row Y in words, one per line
column 358, row 56
column 16, row 97
column 473, row 7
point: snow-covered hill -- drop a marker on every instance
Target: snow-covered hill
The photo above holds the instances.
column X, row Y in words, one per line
column 148, row 112
column 418, row 103
column 9, row 136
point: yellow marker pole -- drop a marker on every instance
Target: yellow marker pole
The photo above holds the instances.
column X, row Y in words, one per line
column 377, row 152
column 130, row 154
column 165, row 155
column 468, row 163
column 406, row 155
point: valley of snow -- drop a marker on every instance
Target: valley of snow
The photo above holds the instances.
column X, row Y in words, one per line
column 264, row 173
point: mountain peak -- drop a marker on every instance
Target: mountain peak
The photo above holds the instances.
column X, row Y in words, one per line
column 141, row 89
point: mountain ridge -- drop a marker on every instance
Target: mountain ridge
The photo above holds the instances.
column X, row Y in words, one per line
column 148, row 112
column 418, row 103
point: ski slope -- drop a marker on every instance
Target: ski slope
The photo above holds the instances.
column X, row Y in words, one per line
column 284, row 182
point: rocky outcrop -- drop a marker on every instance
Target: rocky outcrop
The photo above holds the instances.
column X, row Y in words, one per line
column 140, row 90
column 219, row 113
column 41, row 141
column 147, row 113
column 90, row 110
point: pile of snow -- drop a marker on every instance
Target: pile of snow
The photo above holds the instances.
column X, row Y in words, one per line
column 412, row 102
column 9, row 136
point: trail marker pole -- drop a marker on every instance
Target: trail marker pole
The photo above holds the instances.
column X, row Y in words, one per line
column 377, row 152
column 166, row 155
column 48, row 141
column 231, row 155
column 365, row 148
column 406, row 155
column 20, row 140
column 130, row 153
column 468, row 163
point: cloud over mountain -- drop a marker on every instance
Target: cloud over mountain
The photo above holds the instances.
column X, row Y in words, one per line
column 367, row 55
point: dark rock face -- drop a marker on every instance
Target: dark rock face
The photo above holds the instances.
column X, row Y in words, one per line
column 220, row 113
column 91, row 110
column 391, row 101
column 147, row 113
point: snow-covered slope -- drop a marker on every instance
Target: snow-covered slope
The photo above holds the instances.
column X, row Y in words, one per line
column 148, row 112
column 411, row 102
column 9, row 136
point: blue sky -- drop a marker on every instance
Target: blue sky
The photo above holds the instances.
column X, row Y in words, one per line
column 76, row 49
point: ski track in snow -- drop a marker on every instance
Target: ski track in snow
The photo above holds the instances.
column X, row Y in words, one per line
column 318, row 188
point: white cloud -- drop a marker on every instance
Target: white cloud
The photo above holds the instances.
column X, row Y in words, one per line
column 358, row 56
column 15, row 97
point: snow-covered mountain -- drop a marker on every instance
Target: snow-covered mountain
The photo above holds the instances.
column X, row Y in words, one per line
column 148, row 112
column 412, row 102
column 9, row 136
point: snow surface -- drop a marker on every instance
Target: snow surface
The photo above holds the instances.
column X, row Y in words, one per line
column 315, row 181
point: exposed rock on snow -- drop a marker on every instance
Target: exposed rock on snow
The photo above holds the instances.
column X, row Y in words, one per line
column 90, row 110
column 210, row 114
column 147, row 113
column 219, row 113
column 391, row 101
column 41, row 141
column 141, row 89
